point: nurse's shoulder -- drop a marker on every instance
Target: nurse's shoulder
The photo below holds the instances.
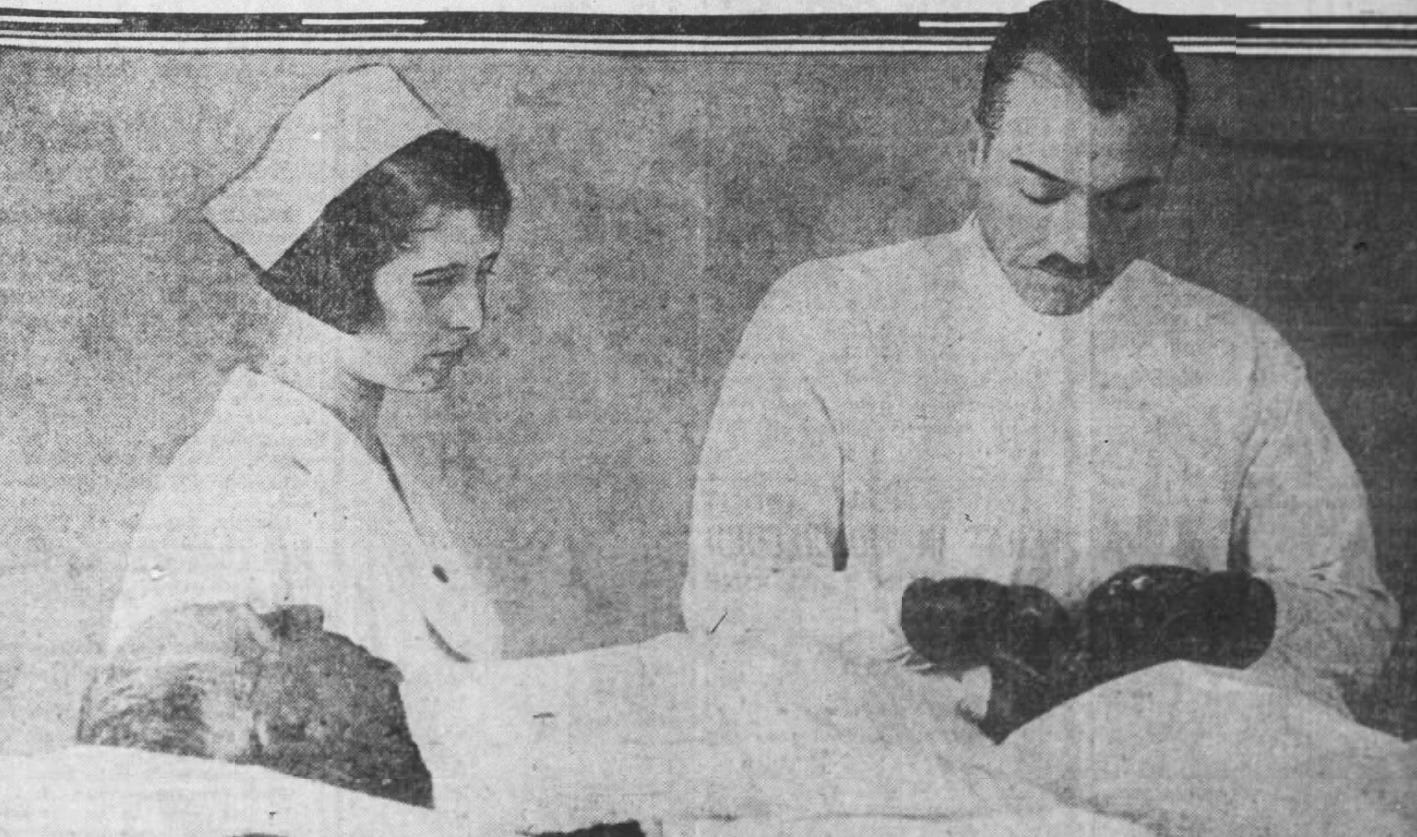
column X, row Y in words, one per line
column 242, row 456
column 234, row 506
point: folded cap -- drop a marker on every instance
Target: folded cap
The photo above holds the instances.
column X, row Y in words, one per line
column 335, row 134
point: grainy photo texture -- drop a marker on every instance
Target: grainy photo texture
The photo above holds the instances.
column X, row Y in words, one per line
column 492, row 423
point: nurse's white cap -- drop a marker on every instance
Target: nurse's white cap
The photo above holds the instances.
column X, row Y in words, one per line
column 336, row 133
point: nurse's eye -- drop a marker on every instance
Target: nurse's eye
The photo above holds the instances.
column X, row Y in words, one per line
column 437, row 280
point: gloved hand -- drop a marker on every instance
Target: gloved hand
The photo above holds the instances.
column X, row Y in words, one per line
column 1019, row 632
column 962, row 623
column 1038, row 657
column 1149, row 614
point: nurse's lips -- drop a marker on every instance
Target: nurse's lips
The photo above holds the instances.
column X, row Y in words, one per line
column 454, row 355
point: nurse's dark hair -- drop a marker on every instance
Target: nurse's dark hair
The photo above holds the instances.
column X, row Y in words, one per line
column 329, row 271
column 1115, row 55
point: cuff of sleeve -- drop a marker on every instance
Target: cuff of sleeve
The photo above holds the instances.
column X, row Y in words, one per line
column 877, row 636
column 1303, row 656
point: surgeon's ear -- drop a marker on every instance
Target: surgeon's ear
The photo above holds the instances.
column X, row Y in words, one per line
column 978, row 148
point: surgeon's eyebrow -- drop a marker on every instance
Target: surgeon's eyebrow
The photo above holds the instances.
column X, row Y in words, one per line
column 1043, row 173
column 1138, row 184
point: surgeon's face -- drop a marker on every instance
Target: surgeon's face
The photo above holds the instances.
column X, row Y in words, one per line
column 1068, row 197
column 432, row 298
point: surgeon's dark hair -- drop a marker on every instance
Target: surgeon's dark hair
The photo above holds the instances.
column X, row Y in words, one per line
column 329, row 271
column 1114, row 54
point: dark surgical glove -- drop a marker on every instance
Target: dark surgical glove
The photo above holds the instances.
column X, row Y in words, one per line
column 1038, row 657
column 1149, row 614
column 1020, row 633
column 1141, row 616
column 962, row 623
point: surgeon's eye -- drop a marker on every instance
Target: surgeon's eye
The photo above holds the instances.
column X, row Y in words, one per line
column 1127, row 202
column 1125, row 207
column 1045, row 198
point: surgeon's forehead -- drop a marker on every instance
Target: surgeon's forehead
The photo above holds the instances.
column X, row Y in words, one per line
column 1048, row 121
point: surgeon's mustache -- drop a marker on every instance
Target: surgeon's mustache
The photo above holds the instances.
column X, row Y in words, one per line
column 1065, row 268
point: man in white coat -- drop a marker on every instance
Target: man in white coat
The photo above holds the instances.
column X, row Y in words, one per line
column 913, row 443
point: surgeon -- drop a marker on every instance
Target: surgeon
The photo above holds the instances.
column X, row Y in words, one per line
column 377, row 227
column 1021, row 448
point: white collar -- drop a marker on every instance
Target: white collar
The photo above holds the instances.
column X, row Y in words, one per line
column 987, row 278
column 285, row 419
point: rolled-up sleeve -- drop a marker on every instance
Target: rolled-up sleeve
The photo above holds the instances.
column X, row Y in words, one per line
column 1303, row 517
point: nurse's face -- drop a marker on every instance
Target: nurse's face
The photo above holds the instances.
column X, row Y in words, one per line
column 432, row 300
column 1069, row 197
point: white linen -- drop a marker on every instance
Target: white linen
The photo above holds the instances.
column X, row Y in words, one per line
column 1195, row 750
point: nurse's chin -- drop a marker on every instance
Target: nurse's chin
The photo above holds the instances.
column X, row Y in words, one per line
column 422, row 381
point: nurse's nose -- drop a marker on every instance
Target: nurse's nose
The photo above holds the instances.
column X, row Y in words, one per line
column 468, row 307
column 1070, row 229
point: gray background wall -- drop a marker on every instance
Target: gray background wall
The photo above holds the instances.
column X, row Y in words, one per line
column 657, row 199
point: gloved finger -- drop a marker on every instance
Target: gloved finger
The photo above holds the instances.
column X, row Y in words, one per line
column 954, row 622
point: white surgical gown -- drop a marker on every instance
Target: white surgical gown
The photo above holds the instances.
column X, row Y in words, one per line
column 905, row 404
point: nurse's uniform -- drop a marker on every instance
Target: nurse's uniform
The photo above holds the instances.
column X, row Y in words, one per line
column 274, row 503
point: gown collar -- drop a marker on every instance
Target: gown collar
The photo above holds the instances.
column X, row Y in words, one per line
column 988, row 282
column 296, row 424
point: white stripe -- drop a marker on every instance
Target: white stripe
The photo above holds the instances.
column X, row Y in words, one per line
column 130, row 42
column 923, row 8
column 1405, row 27
column 1206, row 49
column 374, row 45
column 1328, row 42
column 369, row 21
column 63, row 21
column 1332, row 52
column 403, row 37
column 960, row 24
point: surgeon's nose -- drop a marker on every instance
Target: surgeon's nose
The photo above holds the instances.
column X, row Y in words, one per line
column 1070, row 230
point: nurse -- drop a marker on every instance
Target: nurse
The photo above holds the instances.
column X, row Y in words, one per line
column 377, row 227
